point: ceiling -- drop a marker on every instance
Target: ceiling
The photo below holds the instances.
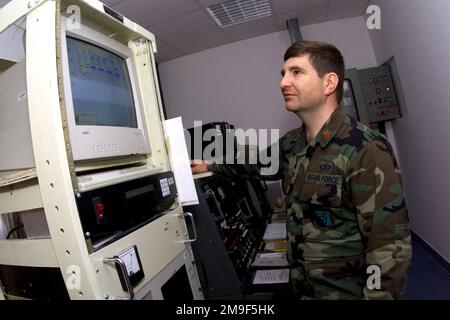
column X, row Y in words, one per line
column 183, row 27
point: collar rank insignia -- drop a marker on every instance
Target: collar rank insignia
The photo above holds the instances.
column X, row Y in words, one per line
column 326, row 133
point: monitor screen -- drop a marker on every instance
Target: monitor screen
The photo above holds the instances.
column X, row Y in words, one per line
column 101, row 89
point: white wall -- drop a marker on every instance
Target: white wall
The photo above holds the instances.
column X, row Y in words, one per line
column 350, row 36
column 417, row 33
column 239, row 82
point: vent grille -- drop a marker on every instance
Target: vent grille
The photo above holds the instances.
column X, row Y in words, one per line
column 229, row 13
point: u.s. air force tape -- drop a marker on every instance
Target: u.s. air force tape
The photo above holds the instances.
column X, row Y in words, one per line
column 323, row 178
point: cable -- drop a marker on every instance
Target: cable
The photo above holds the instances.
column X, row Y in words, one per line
column 15, row 229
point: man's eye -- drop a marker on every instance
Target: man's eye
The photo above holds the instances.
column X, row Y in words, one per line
column 296, row 72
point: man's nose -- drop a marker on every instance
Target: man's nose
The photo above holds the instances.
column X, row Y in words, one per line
column 284, row 82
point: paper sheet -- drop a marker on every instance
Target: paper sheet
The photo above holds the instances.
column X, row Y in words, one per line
column 271, row 276
column 180, row 162
column 275, row 231
column 273, row 259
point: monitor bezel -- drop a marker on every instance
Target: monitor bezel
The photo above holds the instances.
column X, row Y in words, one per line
column 89, row 142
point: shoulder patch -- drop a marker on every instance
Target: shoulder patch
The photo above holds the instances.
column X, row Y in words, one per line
column 323, row 218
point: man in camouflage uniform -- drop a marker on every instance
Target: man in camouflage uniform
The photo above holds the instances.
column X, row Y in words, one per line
column 343, row 186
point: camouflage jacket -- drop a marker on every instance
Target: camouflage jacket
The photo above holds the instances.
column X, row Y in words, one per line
column 346, row 211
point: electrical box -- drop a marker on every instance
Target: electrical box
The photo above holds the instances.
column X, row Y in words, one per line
column 379, row 94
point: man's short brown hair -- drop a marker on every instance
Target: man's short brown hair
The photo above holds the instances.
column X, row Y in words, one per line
column 324, row 57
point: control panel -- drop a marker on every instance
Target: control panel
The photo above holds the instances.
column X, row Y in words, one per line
column 379, row 94
column 238, row 225
column 111, row 212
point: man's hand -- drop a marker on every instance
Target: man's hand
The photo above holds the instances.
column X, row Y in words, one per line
column 199, row 166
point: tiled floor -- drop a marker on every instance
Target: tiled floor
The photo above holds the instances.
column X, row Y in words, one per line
column 428, row 280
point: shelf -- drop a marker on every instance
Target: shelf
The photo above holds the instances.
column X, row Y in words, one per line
column 20, row 196
column 23, row 252
column 18, row 177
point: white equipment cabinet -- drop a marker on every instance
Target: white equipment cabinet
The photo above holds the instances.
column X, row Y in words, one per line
column 54, row 183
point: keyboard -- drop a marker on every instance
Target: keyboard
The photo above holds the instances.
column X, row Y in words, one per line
column 102, row 179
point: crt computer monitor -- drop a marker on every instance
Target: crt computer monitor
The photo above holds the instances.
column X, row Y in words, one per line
column 104, row 108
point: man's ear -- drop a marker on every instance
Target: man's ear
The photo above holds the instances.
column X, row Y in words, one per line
column 330, row 81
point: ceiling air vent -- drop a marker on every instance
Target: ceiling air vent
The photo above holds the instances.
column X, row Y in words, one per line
column 232, row 12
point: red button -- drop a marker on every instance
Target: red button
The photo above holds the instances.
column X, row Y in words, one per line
column 100, row 210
